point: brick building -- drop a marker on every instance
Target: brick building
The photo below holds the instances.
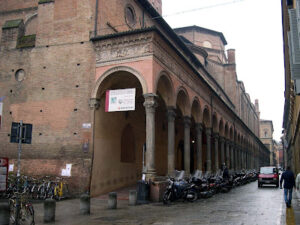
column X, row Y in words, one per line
column 291, row 117
column 58, row 59
column 266, row 136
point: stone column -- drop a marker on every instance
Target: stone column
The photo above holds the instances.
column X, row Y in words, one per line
column 199, row 129
column 242, row 159
column 208, row 150
column 187, row 148
column 222, row 140
column 231, row 156
column 216, row 138
column 227, row 154
column 236, row 161
column 171, row 139
column 150, row 105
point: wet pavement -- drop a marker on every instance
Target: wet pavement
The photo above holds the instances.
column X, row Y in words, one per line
column 245, row 205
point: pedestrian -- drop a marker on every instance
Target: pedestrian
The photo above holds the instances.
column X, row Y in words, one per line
column 225, row 172
column 298, row 182
column 289, row 182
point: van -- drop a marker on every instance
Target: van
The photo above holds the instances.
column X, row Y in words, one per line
column 268, row 175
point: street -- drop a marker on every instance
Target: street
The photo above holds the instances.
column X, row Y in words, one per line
column 245, row 205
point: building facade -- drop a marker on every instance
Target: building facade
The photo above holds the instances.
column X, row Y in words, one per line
column 291, row 118
column 266, row 136
column 59, row 59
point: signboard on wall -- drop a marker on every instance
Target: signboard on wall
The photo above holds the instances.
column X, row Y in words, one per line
column 120, row 100
column 3, row 173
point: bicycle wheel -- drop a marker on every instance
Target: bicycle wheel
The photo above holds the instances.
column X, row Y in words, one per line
column 27, row 215
column 12, row 218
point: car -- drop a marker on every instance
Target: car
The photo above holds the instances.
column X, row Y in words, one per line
column 268, row 175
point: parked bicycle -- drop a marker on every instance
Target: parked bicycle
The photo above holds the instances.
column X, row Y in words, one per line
column 25, row 214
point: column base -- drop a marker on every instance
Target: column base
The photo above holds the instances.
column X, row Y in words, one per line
column 150, row 175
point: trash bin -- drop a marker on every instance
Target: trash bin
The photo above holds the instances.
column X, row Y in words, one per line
column 143, row 192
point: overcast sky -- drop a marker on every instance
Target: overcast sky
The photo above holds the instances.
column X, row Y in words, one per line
column 254, row 29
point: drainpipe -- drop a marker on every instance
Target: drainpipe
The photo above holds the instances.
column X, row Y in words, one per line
column 96, row 19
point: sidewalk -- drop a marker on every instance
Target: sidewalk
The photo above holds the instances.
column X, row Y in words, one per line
column 296, row 206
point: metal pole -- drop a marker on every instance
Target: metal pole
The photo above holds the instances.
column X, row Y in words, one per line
column 18, row 173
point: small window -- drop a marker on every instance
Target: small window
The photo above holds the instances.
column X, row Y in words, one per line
column 20, row 75
column 207, row 44
column 130, row 16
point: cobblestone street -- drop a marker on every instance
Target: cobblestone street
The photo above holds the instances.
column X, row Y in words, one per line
column 245, row 205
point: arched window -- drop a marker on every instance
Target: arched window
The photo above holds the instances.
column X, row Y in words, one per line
column 128, row 145
column 266, row 133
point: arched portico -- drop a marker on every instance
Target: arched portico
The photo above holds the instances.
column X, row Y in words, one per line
column 119, row 136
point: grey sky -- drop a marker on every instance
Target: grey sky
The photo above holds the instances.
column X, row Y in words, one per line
column 254, row 29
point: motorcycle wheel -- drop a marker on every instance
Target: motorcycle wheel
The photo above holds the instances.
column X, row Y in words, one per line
column 194, row 194
column 167, row 197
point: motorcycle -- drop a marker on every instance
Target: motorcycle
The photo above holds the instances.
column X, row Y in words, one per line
column 179, row 189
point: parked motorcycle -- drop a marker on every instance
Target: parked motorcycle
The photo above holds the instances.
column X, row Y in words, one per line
column 179, row 189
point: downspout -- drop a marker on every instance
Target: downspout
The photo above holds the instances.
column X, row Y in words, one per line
column 96, row 19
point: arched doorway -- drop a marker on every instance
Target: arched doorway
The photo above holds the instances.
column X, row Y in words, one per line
column 118, row 136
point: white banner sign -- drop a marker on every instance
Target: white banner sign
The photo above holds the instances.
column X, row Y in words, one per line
column 120, row 100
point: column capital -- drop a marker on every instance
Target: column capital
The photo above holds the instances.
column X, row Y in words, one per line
column 94, row 103
column 199, row 127
column 208, row 131
column 150, row 101
column 187, row 121
column 171, row 114
column 222, row 139
column 216, row 135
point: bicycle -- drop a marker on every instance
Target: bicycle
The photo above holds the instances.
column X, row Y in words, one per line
column 60, row 189
column 26, row 211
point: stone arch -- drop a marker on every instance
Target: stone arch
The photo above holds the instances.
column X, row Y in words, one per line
column 221, row 127
column 231, row 133
column 235, row 135
column 183, row 101
column 122, row 69
column 30, row 25
column 215, row 123
column 165, row 89
column 226, row 133
column 196, row 110
column 206, row 117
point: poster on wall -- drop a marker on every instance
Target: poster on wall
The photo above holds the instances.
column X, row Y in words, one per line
column 1, row 109
column 120, row 100
column 3, row 173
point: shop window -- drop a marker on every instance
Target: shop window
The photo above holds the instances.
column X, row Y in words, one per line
column 127, row 145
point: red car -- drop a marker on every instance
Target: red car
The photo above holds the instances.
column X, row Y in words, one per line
column 268, row 175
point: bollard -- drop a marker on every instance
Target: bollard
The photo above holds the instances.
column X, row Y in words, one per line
column 4, row 213
column 132, row 197
column 112, row 200
column 49, row 210
column 85, row 204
